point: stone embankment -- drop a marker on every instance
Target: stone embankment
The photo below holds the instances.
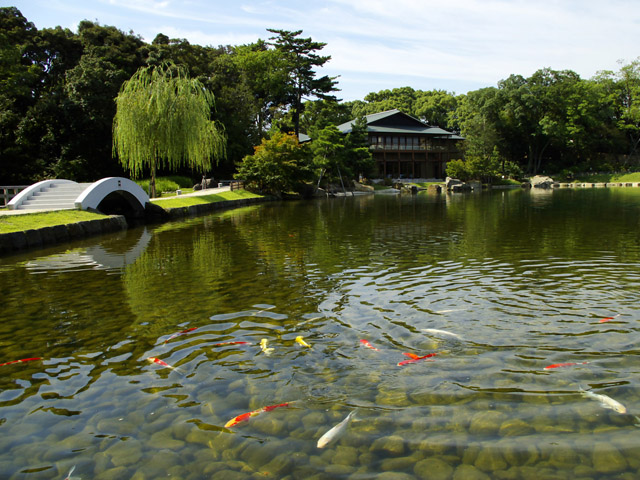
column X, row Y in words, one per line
column 42, row 237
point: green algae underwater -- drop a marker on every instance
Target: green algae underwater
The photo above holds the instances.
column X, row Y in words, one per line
column 525, row 280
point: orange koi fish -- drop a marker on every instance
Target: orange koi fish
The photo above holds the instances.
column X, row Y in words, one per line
column 163, row 364
column 230, row 343
column 567, row 364
column 180, row 333
column 246, row 416
column 608, row 319
column 415, row 358
column 24, row 360
column 368, row 345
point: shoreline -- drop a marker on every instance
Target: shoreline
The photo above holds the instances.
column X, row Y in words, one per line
column 14, row 242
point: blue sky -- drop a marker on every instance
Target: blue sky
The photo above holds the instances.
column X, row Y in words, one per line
column 455, row 45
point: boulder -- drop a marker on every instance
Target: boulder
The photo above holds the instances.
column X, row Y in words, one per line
column 542, row 181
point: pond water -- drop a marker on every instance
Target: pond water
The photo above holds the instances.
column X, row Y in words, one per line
column 497, row 285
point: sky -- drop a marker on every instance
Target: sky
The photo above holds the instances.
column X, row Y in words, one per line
column 452, row 45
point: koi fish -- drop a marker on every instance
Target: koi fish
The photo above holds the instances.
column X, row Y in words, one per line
column 436, row 331
column 230, row 343
column 335, row 432
column 301, row 341
column 163, row 364
column 368, row 345
column 69, row 477
column 605, row 401
column 263, row 346
column 608, row 319
column 246, row 416
column 567, row 364
column 24, row 360
column 180, row 333
column 415, row 358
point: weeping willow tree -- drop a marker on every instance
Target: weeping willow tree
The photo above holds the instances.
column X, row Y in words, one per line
column 163, row 121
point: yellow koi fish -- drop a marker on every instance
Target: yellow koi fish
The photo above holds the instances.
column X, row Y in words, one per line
column 263, row 346
column 301, row 341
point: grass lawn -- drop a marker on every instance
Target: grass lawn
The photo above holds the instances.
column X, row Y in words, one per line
column 200, row 199
column 28, row 221
column 609, row 178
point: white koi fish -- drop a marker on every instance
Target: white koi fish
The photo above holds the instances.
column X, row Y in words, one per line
column 336, row 432
column 605, row 401
column 69, row 477
column 436, row 331
column 263, row 346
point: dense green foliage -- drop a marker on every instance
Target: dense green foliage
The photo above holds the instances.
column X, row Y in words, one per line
column 58, row 91
column 162, row 120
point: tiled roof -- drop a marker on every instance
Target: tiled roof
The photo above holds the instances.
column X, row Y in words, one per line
column 384, row 122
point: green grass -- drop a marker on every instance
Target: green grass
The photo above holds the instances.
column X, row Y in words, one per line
column 200, row 199
column 424, row 184
column 29, row 221
column 609, row 178
column 168, row 184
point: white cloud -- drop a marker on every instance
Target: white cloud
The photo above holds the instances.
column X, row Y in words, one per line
column 461, row 41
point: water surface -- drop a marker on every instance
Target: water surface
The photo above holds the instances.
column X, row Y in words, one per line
column 523, row 279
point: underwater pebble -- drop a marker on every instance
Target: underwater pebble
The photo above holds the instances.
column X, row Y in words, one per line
column 396, row 464
column 490, row 459
column 487, row 423
column 392, row 444
column 338, row 470
column 607, row 459
column 394, row 476
column 112, row 474
column 163, row 439
column 345, row 456
column 564, row 458
column 519, row 451
column 433, row 469
column 279, row 465
column 514, row 427
column 469, row 472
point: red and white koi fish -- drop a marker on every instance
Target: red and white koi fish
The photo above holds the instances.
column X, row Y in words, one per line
column 230, row 343
column 567, row 364
column 415, row 358
column 246, row 416
column 608, row 319
column 368, row 345
column 180, row 333
column 24, row 360
column 301, row 341
column 162, row 363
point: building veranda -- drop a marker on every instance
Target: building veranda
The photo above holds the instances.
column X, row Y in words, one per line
column 405, row 147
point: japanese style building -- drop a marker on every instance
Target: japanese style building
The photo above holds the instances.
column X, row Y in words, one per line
column 405, row 147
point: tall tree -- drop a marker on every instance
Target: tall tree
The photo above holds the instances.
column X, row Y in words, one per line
column 302, row 59
column 163, row 120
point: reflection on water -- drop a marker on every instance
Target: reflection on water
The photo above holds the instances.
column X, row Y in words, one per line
column 462, row 301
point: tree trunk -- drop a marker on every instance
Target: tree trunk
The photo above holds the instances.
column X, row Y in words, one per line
column 152, row 182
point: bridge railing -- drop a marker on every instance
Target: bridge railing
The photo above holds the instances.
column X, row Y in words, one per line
column 7, row 192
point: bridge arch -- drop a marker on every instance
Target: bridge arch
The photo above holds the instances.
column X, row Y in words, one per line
column 114, row 195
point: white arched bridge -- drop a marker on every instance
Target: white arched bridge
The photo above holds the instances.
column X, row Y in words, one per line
column 112, row 195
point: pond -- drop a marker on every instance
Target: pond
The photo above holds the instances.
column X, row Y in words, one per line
column 432, row 317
